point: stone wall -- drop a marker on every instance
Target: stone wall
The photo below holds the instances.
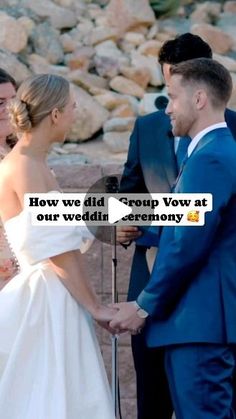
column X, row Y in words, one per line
column 78, row 178
column 108, row 50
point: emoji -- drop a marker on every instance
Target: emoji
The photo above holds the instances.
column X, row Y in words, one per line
column 193, row 216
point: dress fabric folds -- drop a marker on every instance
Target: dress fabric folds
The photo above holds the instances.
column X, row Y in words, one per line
column 50, row 361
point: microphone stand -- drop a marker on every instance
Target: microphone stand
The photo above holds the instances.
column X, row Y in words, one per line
column 112, row 186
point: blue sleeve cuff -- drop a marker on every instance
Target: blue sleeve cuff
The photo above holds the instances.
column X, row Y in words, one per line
column 150, row 236
column 147, row 302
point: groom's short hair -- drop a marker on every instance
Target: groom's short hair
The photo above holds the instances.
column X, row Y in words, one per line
column 210, row 73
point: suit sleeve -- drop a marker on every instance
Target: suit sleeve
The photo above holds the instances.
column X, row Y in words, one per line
column 132, row 180
column 184, row 250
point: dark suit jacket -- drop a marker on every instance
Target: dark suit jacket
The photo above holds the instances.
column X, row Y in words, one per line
column 191, row 294
column 151, row 167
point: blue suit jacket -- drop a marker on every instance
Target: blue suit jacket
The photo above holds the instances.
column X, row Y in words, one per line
column 151, row 167
column 191, row 295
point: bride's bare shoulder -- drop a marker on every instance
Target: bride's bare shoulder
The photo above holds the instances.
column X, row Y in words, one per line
column 21, row 173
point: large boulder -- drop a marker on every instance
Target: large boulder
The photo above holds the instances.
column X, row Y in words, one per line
column 127, row 86
column 10, row 63
column 109, row 49
column 86, row 80
column 219, row 41
column 126, row 14
column 90, row 116
column 60, row 17
column 150, row 62
column 13, row 35
column 46, row 43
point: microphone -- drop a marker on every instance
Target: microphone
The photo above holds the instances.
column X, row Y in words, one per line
column 112, row 184
column 161, row 102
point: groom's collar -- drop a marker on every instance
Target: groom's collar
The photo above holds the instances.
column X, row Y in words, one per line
column 201, row 134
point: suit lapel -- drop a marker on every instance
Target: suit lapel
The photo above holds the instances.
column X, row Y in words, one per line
column 205, row 140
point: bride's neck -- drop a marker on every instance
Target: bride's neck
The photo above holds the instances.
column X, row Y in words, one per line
column 35, row 144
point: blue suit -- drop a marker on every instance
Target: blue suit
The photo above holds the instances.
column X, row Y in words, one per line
column 151, row 167
column 191, row 295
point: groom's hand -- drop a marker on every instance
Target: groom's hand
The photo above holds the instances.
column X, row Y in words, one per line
column 127, row 318
column 125, row 234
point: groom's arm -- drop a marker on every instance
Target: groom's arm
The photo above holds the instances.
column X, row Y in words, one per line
column 183, row 250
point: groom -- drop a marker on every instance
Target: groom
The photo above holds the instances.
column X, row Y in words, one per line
column 152, row 165
column 190, row 299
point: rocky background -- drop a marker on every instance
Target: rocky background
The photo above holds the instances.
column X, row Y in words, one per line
column 108, row 50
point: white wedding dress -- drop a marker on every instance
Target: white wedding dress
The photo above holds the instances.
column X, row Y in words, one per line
column 50, row 362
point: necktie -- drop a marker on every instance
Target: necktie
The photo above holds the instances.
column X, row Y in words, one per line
column 182, row 150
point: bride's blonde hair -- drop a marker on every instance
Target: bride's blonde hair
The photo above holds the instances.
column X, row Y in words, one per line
column 36, row 98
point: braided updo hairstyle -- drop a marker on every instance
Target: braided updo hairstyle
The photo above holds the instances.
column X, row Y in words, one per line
column 36, row 98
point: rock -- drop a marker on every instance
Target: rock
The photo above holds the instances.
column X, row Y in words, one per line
column 47, row 43
column 126, row 14
column 153, row 31
column 129, row 87
column 219, row 41
column 151, row 47
column 230, row 6
column 102, row 21
column 111, row 100
column 123, row 111
column 134, row 38
column 11, row 64
column 141, row 76
column 100, row 34
column 13, row 35
column 109, row 49
column 60, row 17
column 80, row 59
column 117, row 142
column 94, row 11
column 87, row 80
column 67, row 3
column 119, row 124
column 207, row 12
column 27, row 23
column 140, row 28
column 82, row 30
column 90, row 116
column 38, row 64
column 228, row 62
column 138, row 60
column 227, row 24
column 106, row 66
column 126, row 46
column 163, row 37
column 68, row 43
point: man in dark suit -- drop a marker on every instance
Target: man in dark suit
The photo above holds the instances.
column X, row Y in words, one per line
column 191, row 296
column 152, row 167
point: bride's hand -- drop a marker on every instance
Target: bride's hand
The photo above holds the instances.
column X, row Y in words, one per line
column 103, row 315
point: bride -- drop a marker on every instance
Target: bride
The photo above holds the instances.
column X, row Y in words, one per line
column 50, row 362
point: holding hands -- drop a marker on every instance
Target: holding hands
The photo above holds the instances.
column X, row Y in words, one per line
column 121, row 317
column 127, row 318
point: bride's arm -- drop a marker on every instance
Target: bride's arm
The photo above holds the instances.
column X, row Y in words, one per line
column 70, row 269
column 68, row 266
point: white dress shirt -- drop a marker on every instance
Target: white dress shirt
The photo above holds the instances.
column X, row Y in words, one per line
column 201, row 134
